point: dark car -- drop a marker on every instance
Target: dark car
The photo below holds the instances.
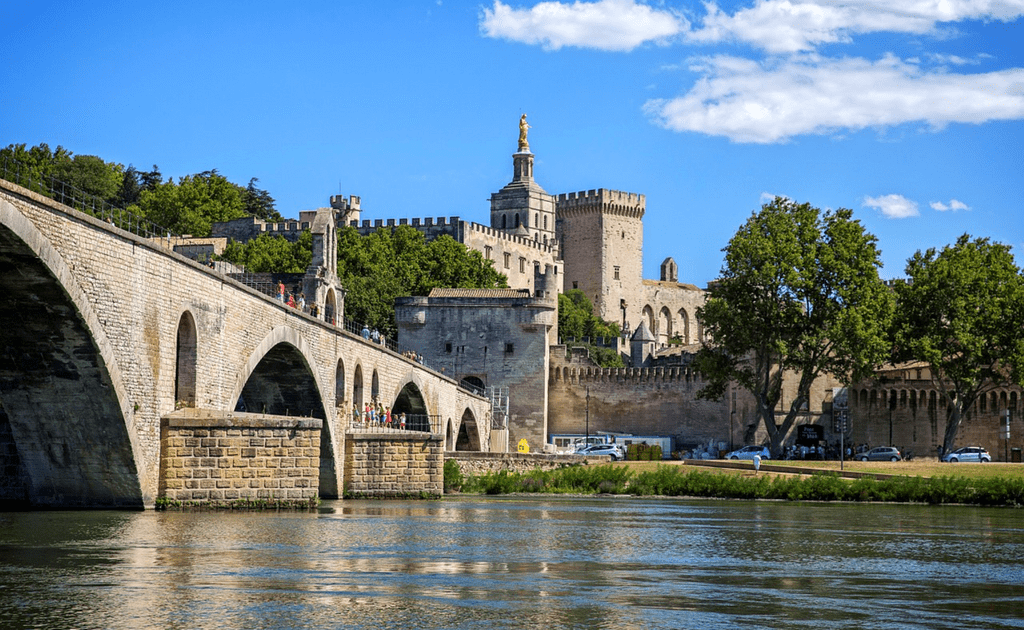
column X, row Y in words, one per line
column 881, row 454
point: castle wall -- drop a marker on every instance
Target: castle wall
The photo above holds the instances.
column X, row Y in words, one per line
column 513, row 256
column 645, row 401
column 914, row 412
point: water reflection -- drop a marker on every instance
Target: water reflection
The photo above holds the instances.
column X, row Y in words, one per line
column 500, row 563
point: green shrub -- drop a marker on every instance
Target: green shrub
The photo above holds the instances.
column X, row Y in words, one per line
column 453, row 478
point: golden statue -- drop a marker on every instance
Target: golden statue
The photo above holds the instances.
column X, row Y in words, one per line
column 523, row 128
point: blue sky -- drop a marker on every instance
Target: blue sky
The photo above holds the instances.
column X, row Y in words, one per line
column 911, row 116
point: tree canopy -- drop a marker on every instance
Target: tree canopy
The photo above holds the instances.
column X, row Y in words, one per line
column 576, row 320
column 799, row 293
column 189, row 206
column 377, row 268
column 961, row 310
column 272, row 253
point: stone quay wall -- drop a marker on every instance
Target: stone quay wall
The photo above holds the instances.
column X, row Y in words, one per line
column 214, row 459
column 392, row 465
column 476, row 464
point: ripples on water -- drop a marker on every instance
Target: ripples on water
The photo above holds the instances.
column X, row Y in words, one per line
column 517, row 563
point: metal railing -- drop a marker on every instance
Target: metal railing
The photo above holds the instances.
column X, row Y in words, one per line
column 49, row 186
column 411, row 422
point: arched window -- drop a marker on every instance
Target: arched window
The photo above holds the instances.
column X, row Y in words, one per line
column 504, row 222
column 517, row 220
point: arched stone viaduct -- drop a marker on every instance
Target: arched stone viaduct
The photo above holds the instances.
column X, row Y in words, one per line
column 105, row 333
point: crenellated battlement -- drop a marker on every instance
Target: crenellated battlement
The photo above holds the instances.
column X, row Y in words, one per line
column 583, row 376
column 426, row 222
column 245, row 229
column 602, row 197
column 512, row 238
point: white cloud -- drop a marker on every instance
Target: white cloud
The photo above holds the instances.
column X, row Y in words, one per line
column 953, row 205
column 893, row 206
column 784, row 26
column 617, row 25
column 772, row 101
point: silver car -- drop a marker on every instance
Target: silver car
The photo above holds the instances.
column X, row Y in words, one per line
column 968, row 454
column 880, row 454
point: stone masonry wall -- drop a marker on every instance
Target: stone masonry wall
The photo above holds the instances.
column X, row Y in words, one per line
column 476, row 464
column 212, row 459
column 393, row 464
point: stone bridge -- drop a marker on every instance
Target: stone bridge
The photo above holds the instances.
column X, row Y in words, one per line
column 105, row 335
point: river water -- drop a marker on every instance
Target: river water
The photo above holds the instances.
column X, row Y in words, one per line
column 517, row 563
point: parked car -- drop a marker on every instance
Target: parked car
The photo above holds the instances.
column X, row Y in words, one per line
column 595, row 450
column 748, row 452
column 881, row 454
column 968, row 454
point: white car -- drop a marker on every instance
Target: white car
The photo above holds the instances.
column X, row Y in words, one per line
column 748, row 452
column 968, row 454
column 595, row 450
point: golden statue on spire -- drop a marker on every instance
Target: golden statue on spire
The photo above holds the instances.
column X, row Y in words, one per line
column 524, row 146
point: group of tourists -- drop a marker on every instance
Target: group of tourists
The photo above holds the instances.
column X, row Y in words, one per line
column 377, row 415
column 373, row 335
column 290, row 299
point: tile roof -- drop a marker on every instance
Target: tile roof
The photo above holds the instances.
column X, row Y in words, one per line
column 480, row 293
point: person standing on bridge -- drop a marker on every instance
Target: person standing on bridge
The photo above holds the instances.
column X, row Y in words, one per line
column 280, row 291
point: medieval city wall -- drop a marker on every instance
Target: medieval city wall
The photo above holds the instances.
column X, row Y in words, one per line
column 640, row 401
column 914, row 413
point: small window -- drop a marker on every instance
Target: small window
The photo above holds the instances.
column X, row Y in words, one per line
column 522, row 265
column 616, row 272
column 508, row 260
column 487, row 252
column 448, row 347
column 509, row 348
column 575, row 284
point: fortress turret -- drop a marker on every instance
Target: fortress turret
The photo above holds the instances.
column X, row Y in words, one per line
column 601, row 238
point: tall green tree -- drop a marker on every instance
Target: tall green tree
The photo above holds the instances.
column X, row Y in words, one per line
column 377, row 268
column 259, row 203
column 800, row 295
column 961, row 310
column 271, row 253
column 193, row 204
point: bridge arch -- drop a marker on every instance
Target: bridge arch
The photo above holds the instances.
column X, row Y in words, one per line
column 186, row 357
column 410, row 401
column 63, row 394
column 339, row 386
column 469, row 434
column 357, row 388
column 279, row 378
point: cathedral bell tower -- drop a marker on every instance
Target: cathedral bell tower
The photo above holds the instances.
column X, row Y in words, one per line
column 522, row 207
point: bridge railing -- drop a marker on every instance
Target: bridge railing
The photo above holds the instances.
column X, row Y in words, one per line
column 49, row 186
column 412, row 422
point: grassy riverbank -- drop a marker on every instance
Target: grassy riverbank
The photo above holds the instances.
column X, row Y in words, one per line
column 963, row 484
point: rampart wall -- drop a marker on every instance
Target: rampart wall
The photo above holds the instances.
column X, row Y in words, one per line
column 914, row 413
column 641, row 401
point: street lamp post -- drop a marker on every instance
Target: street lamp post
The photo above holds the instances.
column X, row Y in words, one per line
column 1006, row 435
column 588, row 415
